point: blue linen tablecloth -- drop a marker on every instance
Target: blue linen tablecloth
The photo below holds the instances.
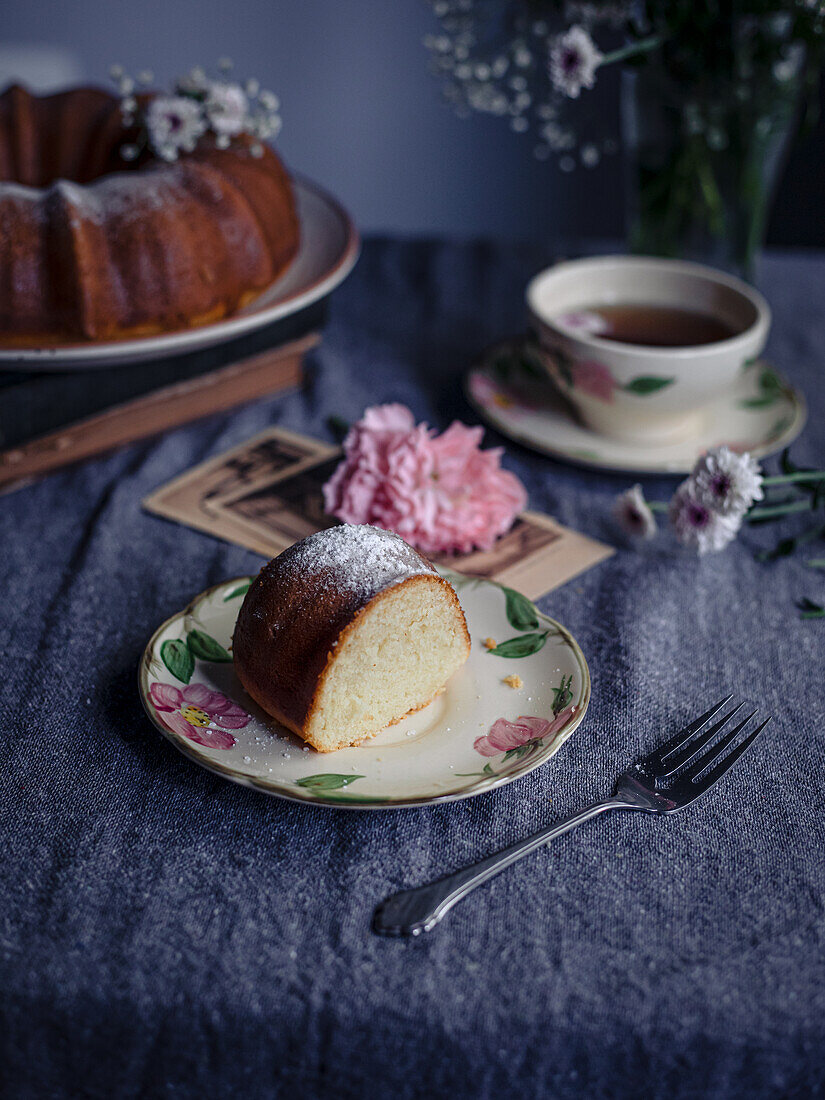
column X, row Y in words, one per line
column 166, row 933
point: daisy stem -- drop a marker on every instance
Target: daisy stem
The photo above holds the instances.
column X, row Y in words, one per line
column 787, row 479
column 634, row 49
column 756, row 514
column 657, row 505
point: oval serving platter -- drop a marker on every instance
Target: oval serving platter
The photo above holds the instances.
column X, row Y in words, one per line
column 479, row 734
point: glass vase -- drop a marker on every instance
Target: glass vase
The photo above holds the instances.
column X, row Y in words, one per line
column 704, row 152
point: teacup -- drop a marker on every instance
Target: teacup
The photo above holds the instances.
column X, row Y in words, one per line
column 639, row 392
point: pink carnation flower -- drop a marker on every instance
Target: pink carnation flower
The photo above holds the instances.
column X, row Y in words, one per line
column 198, row 713
column 441, row 493
column 505, row 735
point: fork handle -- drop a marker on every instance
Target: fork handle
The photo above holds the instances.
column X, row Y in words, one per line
column 411, row 912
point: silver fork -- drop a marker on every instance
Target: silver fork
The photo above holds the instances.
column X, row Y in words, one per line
column 690, row 754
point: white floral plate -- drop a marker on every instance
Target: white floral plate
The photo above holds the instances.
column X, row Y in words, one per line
column 477, row 735
column 511, row 391
column 326, row 254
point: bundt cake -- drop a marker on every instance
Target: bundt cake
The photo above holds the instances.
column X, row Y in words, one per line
column 93, row 247
column 346, row 632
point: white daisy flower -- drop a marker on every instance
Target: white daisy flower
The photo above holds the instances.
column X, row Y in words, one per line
column 227, row 108
column 574, row 58
column 697, row 524
column 727, row 482
column 634, row 515
column 174, row 123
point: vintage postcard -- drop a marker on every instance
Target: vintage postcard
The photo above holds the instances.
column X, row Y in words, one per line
column 266, row 494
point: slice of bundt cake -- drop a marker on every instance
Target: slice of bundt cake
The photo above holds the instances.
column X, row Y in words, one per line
column 346, row 632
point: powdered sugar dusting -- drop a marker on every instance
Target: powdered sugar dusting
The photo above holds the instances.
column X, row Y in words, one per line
column 355, row 558
column 126, row 196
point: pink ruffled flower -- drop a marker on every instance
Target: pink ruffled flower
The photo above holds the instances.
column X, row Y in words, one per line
column 441, row 493
column 198, row 713
column 594, row 379
column 505, row 735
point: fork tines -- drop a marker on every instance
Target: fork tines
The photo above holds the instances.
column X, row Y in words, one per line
column 696, row 746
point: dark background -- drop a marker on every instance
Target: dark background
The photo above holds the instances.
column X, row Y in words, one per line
column 364, row 116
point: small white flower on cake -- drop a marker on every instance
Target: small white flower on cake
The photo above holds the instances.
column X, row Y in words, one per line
column 227, row 108
column 727, row 482
column 634, row 515
column 573, row 61
column 698, row 525
column 174, row 123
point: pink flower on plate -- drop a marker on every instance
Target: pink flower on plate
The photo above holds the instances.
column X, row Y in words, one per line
column 441, row 493
column 198, row 713
column 505, row 735
column 487, row 392
column 594, row 379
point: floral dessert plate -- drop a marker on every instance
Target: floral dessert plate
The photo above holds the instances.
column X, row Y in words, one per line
column 480, row 733
column 511, row 391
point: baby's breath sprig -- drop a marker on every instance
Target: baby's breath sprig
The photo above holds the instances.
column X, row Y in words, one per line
column 172, row 124
column 525, row 60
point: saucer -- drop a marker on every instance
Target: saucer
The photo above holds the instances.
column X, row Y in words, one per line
column 511, row 391
column 448, row 750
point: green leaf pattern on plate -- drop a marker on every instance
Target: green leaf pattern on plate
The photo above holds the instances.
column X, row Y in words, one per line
column 521, row 613
column 521, row 646
column 177, row 658
column 562, row 694
column 205, row 648
column 179, row 654
column 327, row 781
column 241, row 590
